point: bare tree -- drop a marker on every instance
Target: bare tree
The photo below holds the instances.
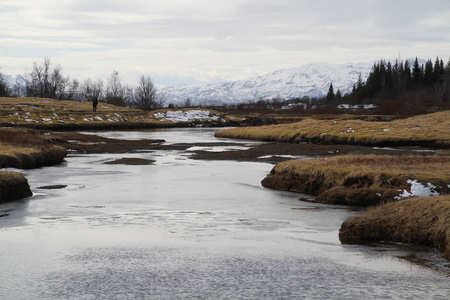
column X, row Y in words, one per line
column 188, row 102
column 73, row 92
column 43, row 81
column 145, row 94
column 92, row 91
column 116, row 92
column 58, row 84
column 4, row 89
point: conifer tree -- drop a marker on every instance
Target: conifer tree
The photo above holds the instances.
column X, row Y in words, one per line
column 338, row 95
column 330, row 94
column 417, row 74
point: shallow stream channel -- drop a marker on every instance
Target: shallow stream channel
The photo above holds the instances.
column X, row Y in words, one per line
column 181, row 228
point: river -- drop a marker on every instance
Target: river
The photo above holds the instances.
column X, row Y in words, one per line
column 190, row 229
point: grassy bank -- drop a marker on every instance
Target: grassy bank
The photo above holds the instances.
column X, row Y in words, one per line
column 430, row 130
column 13, row 186
column 422, row 221
column 363, row 180
column 24, row 149
column 52, row 114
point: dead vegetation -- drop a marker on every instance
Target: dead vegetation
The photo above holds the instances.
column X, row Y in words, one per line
column 430, row 130
column 360, row 180
column 41, row 113
column 27, row 149
column 422, row 221
column 13, row 186
column 24, row 149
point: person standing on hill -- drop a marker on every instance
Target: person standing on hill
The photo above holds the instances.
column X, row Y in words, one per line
column 94, row 105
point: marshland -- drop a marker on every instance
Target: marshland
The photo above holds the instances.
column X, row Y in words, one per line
column 182, row 212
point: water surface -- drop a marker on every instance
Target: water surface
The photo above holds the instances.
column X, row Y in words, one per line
column 189, row 229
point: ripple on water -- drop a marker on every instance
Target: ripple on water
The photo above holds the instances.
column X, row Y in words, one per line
column 169, row 273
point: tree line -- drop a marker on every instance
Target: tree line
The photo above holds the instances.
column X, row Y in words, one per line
column 427, row 82
column 48, row 81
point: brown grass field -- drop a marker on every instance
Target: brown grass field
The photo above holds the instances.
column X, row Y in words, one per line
column 361, row 180
column 422, row 221
column 423, row 130
column 59, row 114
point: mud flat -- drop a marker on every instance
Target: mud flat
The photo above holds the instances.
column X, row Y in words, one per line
column 423, row 221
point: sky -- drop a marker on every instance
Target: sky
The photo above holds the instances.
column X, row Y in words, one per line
column 207, row 41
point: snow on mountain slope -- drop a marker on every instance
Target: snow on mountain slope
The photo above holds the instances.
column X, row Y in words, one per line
column 13, row 80
column 312, row 80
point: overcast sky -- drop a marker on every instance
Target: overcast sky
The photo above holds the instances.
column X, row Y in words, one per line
column 189, row 41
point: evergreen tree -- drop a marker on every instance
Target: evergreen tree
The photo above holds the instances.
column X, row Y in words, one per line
column 330, row 94
column 338, row 95
column 408, row 75
column 428, row 75
column 416, row 75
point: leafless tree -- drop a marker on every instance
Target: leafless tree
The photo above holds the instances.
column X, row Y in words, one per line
column 58, row 83
column 145, row 94
column 92, row 91
column 116, row 92
column 4, row 89
column 73, row 92
column 43, row 81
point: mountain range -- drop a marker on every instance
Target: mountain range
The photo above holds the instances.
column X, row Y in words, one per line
column 312, row 80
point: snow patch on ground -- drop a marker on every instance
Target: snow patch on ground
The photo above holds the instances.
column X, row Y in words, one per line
column 185, row 116
column 418, row 190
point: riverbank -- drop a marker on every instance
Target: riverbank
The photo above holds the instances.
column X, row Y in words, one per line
column 363, row 180
column 422, row 221
column 24, row 149
column 13, row 186
column 49, row 114
column 431, row 130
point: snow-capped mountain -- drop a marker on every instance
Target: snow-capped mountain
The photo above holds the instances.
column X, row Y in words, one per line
column 14, row 80
column 312, row 80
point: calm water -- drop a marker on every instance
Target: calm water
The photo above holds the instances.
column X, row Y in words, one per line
column 187, row 229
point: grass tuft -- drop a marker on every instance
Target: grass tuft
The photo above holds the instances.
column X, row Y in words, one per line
column 423, row 221
column 360, row 180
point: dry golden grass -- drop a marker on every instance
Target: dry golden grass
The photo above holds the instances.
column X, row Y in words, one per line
column 423, row 221
column 25, row 149
column 13, row 185
column 360, row 179
column 432, row 128
column 51, row 114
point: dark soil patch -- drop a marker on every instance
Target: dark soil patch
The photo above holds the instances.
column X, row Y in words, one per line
column 278, row 152
column 52, row 187
column 87, row 143
column 273, row 152
column 131, row 161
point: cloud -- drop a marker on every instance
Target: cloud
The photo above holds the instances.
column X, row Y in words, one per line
column 214, row 40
